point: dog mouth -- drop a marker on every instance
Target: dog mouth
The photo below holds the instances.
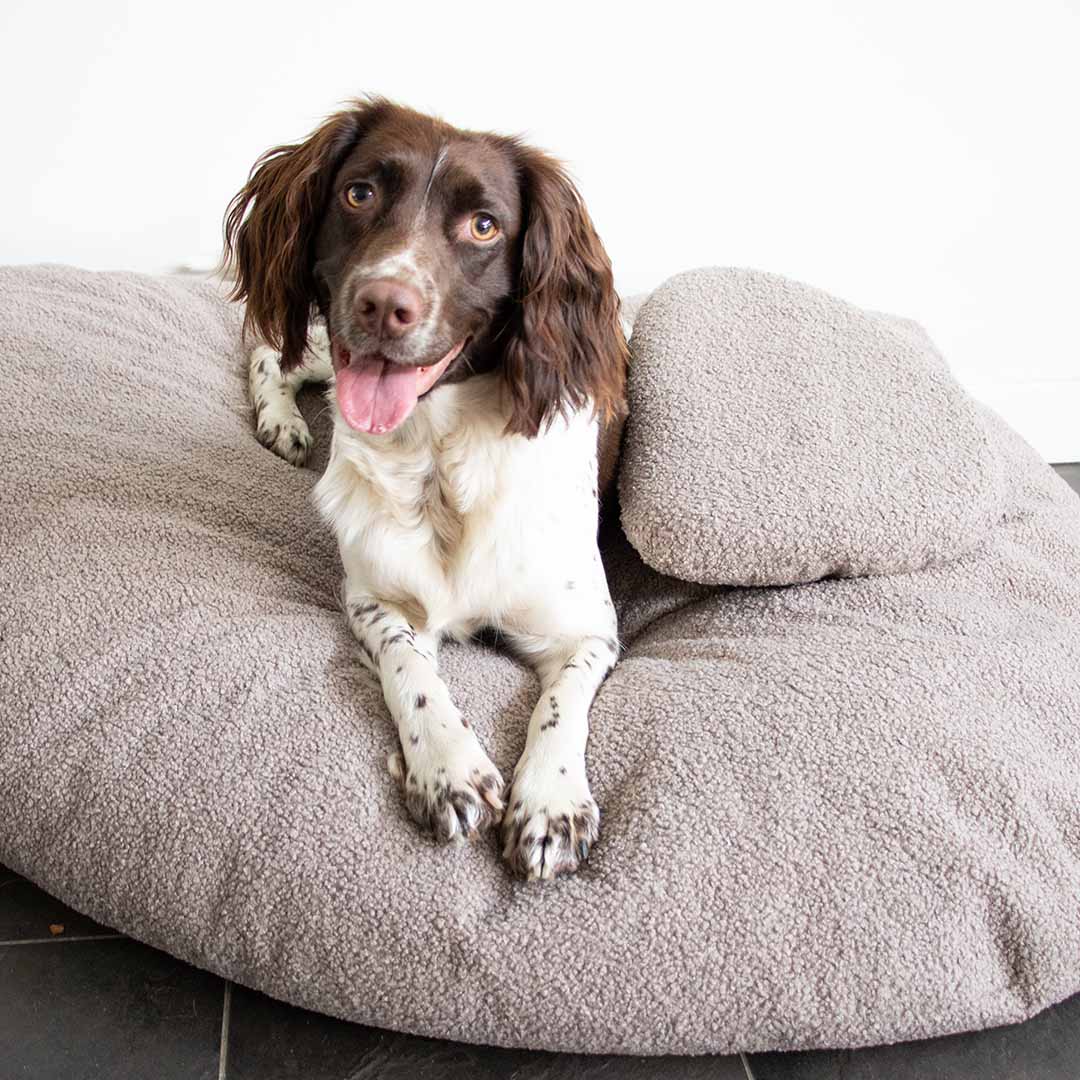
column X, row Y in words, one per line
column 376, row 394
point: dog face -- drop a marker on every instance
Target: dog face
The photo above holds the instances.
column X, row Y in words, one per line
column 434, row 254
column 414, row 258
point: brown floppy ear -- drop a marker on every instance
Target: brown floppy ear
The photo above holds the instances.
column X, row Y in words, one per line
column 270, row 227
column 566, row 347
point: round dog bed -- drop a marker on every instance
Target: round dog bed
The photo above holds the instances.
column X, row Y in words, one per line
column 839, row 812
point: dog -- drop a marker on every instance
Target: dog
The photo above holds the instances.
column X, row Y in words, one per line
column 452, row 286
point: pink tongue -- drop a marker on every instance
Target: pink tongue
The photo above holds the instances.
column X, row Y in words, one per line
column 376, row 395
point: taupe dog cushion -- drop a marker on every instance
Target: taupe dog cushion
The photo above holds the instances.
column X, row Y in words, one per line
column 780, row 435
column 833, row 814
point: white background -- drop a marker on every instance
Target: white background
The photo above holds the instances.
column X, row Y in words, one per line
column 922, row 158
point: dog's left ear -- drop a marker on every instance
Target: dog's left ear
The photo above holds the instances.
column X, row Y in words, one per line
column 566, row 347
column 271, row 224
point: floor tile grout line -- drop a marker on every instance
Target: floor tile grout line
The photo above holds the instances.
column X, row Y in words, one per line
column 746, row 1066
column 60, row 939
column 226, row 1016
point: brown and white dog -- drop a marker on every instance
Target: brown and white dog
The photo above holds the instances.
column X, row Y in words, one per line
column 473, row 338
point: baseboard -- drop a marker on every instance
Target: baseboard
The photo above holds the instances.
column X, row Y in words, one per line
column 1045, row 411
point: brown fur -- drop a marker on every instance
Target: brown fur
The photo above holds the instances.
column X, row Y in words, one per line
column 270, row 229
column 566, row 345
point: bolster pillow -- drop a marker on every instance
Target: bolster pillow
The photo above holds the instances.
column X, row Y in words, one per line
column 779, row 435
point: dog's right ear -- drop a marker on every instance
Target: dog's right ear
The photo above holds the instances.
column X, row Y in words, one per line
column 271, row 223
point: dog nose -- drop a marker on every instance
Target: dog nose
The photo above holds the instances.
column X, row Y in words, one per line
column 387, row 308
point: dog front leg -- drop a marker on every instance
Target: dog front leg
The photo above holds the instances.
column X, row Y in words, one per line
column 552, row 819
column 278, row 423
column 450, row 785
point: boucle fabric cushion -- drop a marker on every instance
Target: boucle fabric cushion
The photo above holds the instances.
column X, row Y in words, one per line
column 780, row 435
column 833, row 814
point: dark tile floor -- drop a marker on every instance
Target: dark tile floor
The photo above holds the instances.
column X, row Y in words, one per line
column 79, row 1002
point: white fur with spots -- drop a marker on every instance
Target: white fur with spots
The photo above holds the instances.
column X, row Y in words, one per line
column 447, row 525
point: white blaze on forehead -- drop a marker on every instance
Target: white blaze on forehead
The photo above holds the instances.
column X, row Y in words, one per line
column 439, row 159
column 404, row 266
column 401, row 264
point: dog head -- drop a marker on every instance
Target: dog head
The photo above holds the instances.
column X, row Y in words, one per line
column 434, row 254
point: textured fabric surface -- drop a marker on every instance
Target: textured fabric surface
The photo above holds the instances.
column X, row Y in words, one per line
column 780, row 435
column 833, row 814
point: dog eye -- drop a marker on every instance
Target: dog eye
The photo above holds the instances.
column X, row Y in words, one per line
column 358, row 194
column 483, row 227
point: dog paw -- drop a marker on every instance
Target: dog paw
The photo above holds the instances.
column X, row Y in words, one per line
column 451, row 787
column 551, row 822
column 285, row 433
column 278, row 423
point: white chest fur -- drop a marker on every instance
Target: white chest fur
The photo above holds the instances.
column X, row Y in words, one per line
column 461, row 525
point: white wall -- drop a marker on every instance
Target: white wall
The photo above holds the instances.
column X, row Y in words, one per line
column 919, row 157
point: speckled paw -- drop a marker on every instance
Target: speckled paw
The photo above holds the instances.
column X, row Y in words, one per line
column 545, row 833
column 286, row 435
column 454, row 796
